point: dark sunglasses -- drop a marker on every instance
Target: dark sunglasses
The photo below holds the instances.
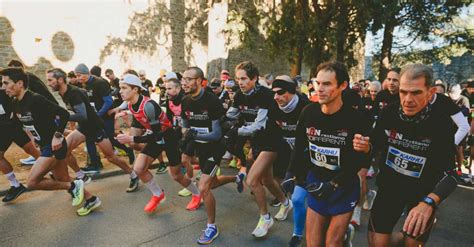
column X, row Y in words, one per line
column 280, row 92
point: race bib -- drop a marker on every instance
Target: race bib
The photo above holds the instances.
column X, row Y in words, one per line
column 201, row 131
column 405, row 163
column 2, row 111
column 177, row 121
column 290, row 141
column 326, row 157
column 32, row 130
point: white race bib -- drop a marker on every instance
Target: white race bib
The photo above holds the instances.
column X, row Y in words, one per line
column 32, row 130
column 326, row 157
column 405, row 163
column 201, row 130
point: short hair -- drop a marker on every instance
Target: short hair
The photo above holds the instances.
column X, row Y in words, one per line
column 58, row 73
column 71, row 74
column 396, row 70
column 416, row 70
column 107, row 71
column 338, row 68
column 249, row 67
column 375, row 84
column 198, row 71
column 15, row 64
column 175, row 82
column 131, row 71
column 442, row 86
column 96, row 70
column 16, row 74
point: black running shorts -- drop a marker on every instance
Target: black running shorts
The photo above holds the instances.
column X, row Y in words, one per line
column 170, row 146
column 210, row 155
column 13, row 133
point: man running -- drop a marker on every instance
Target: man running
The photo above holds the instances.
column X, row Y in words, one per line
column 331, row 164
column 418, row 172
column 90, row 125
column 252, row 102
column 46, row 122
column 162, row 138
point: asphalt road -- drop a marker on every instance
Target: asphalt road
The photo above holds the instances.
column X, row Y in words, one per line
column 42, row 218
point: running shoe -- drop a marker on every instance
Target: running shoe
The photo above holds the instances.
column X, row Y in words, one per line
column 161, row 168
column 295, row 241
column 371, row 173
column 184, row 192
column 28, row 161
column 275, row 203
column 355, row 220
column 120, row 152
column 154, row 202
column 227, row 156
column 13, row 193
column 86, row 179
column 133, row 184
column 208, row 235
column 284, row 210
column 77, row 193
column 91, row 169
column 218, row 173
column 194, row 204
column 369, row 200
column 240, row 182
column 233, row 163
column 459, row 172
column 262, row 227
column 349, row 236
column 89, row 206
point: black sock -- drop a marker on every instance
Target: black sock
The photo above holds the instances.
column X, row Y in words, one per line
column 73, row 186
column 91, row 199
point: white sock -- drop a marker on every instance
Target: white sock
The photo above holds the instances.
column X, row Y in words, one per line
column 287, row 202
column 265, row 216
column 211, row 225
column 153, row 187
column 80, row 174
column 12, row 180
column 193, row 188
column 133, row 175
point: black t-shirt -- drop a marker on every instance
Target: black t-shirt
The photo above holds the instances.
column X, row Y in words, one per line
column 328, row 139
column 369, row 108
column 36, row 85
column 97, row 88
column 199, row 113
column 351, row 97
column 414, row 155
column 385, row 98
column 5, row 109
column 40, row 117
column 286, row 122
column 76, row 96
column 249, row 105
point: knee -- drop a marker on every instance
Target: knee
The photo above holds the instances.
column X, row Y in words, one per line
column 334, row 241
column 204, row 189
column 31, row 183
column 253, row 182
column 298, row 200
column 139, row 171
column 176, row 176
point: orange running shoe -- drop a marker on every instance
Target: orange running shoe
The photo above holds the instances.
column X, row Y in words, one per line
column 154, row 202
column 194, row 204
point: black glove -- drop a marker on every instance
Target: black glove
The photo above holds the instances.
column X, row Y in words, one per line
column 321, row 191
column 288, row 184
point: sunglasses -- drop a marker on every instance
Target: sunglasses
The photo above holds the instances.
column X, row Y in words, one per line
column 280, row 92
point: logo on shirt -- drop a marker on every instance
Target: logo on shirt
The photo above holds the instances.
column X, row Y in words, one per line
column 394, row 135
column 312, row 132
column 342, row 132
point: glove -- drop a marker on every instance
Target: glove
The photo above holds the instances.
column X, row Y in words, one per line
column 321, row 191
column 288, row 184
column 229, row 139
column 189, row 136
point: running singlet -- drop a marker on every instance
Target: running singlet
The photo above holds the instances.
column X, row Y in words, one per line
column 143, row 119
column 200, row 112
column 328, row 139
column 173, row 110
column 40, row 117
column 286, row 122
column 414, row 154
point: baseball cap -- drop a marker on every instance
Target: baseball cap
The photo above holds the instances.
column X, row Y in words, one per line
column 170, row 75
column 132, row 80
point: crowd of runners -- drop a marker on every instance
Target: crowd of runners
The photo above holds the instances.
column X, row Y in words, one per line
column 311, row 145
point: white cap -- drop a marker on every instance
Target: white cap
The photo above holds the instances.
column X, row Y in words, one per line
column 132, row 80
column 142, row 72
column 170, row 75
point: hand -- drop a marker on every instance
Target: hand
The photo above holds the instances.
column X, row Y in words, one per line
column 119, row 114
column 288, row 184
column 57, row 143
column 190, row 135
column 417, row 220
column 124, row 138
column 321, row 191
column 361, row 143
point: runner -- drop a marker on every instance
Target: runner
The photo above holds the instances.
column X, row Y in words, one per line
column 389, row 95
column 161, row 138
column 90, row 126
column 330, row 170
column 416, row 140
column 290, row 105
column 46, row 122
column 252, row 102
column 201, row 112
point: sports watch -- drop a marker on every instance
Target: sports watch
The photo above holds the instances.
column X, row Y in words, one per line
column 428, row 200
column 58, row 134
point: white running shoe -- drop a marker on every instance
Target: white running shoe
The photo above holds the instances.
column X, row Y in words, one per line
column 262, row 227
column 371, row 172
column 369, row 200
column 284, row 210
column 28, row 161
column 355, row 220
column 227, row 156
column 349, row 236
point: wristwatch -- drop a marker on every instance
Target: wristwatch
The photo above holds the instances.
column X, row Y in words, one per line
column 428, row 200
column 58, row 135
